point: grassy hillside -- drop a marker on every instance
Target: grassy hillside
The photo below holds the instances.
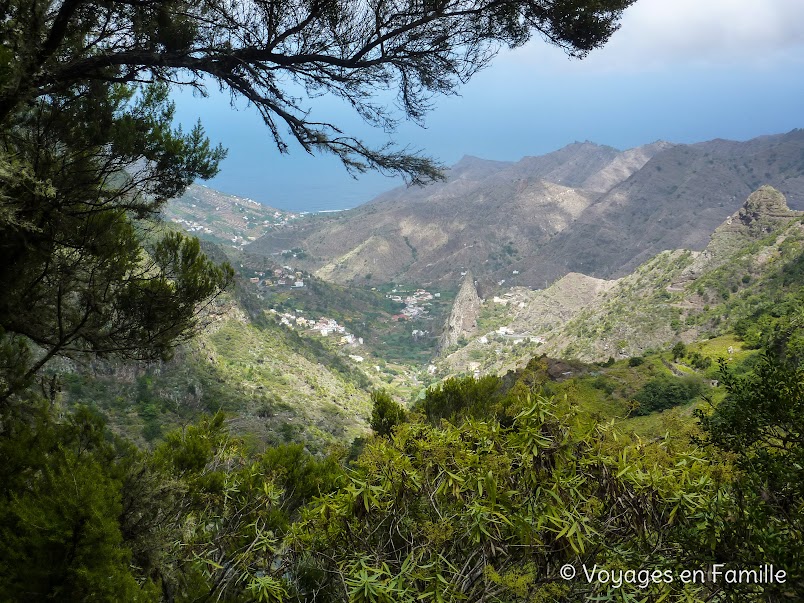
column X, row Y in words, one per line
column 275, row 384
column 651, row 396
column 752, row 261
column 268, row 383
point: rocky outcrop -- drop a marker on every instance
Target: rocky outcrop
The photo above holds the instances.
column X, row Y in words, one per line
column 462, row 321
column 763, row 212
column 764, row 209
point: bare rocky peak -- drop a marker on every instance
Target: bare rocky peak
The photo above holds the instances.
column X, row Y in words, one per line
column 475, row 168
column 492, row 183
column 462, row 321
column 564, row 299
column 459, row 178
column 623, row 166
column 765, row 203
column 764, row 211
column 570, row 165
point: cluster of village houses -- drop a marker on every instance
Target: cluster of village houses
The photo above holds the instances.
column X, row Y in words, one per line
column 192, row 227
column 282, row 277
column 412, row 308
column 277, row 219
column 508, row 333
column 280, row 218
column 286, row 276
column 323, row 326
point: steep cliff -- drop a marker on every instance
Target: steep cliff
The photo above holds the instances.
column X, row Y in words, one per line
column 462, row 321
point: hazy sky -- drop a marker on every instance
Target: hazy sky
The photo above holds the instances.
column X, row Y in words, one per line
column 677, row 70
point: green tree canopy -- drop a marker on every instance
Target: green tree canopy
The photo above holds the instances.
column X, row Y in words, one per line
column 459, row 398
column 760, row 424
column 83, row 269
column 385, row 413
column 61, row 513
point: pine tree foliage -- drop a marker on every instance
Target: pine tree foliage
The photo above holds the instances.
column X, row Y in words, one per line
column 60, row 507
column 385, row 414
column 82, row 176
column 277, row 53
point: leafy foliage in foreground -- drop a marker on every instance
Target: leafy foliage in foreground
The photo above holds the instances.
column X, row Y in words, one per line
column 486, row 509
column 458, row 398
column 760, row 422
column 482, row 512
column 61, row 513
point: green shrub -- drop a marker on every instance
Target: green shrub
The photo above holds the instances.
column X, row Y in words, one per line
column 465, row 397
column 699, row 361
column 602, row 383
column 665, row 392
column 386, row 414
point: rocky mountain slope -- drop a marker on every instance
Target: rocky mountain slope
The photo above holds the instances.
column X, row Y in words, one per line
column 276, row 383
column 674, row 202
column 585, row 208
column 490, row 217
column 755, row 257
column 271, row 385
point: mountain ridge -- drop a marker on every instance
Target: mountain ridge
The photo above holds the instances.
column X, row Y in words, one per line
column 513, row 222
column 678, row 295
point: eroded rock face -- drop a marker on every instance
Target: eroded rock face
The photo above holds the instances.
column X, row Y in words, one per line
column 763, row 207
column 462, row 321
column 763, row 212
